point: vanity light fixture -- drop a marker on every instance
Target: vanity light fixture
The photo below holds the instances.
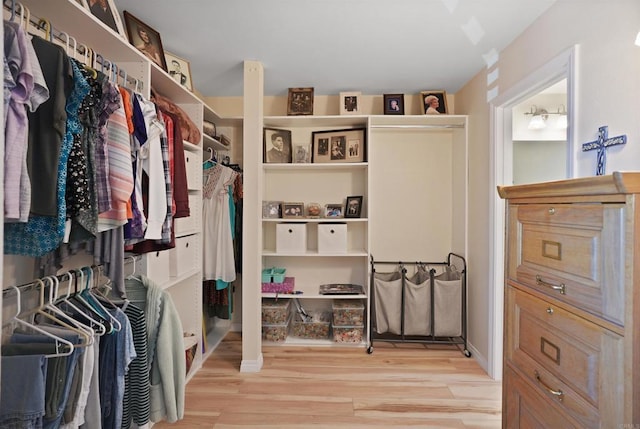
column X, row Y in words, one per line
column 539, row 117
column 638, row 39
column 561, row 122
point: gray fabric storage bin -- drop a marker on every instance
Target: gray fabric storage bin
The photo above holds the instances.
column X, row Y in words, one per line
column 388, row 301
column 447, row 299
column 417, row 303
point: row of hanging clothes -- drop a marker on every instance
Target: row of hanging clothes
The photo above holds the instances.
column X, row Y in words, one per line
column 75, row 356
column 222, row 233
column 90, row 163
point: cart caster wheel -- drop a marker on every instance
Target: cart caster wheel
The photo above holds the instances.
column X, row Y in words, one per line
column 369, row 349
column 467, row 353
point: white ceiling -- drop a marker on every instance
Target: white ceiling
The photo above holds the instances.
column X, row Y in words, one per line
column 372, row 46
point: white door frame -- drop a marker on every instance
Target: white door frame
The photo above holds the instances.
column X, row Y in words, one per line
column 561, row 67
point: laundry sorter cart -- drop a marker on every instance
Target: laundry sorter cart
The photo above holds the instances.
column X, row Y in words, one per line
column 427, row 305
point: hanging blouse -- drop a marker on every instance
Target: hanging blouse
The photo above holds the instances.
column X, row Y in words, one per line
column 218, row 257
column 120, row 170
column 84, row 223
column 29, row 91
column 42, row 234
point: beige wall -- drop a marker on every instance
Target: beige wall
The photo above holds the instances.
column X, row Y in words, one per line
column 608, row 94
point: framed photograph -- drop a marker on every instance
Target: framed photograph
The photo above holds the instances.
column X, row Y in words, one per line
column 393, row 104
column 292, row 210
column 276, row 146
column 179, row 69
column 353, row 207
column 106, row 12
column 301, row 153
column 333, row 210
column 434, row 102
column 271, row 209
column 300, row 101
column 350, row 103
column 145, row 39
column 346, row 145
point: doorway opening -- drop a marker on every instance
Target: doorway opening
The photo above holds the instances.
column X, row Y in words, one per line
column 507, row 110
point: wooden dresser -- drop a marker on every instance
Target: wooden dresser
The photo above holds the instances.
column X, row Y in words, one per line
column 572, row 313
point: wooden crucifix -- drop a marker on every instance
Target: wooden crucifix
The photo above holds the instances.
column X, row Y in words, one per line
column 601, row 145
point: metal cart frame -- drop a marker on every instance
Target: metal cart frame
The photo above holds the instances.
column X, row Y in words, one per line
column 430, row 338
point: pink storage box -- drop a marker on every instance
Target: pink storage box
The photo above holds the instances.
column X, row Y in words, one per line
column 285, row 287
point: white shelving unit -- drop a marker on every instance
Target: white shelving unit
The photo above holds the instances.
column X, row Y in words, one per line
column 414, row 184
column 326, row 183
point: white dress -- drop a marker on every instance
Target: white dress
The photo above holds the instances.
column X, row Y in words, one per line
column 217, row 247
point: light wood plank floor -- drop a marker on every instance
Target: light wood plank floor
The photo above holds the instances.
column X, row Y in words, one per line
column 398, row 386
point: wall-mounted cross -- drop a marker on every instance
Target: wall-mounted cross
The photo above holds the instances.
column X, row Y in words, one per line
column 601, row 145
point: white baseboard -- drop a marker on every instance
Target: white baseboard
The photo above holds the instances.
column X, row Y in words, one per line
column 251, row 365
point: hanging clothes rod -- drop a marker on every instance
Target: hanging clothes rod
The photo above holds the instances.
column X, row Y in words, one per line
column 64, row 275
column 419, row 126
column 44, row 25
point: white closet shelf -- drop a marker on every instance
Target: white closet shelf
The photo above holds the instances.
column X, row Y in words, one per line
column 350, row 166
column 310, row 296
column 313, row 253
column 316, row 220
column 210, row 142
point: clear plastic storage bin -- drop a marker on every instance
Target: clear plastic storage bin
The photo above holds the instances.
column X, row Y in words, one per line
column 315, row 329
column 348, row 312
column 275, row 311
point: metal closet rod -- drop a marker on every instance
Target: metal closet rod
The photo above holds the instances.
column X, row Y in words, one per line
column 418, row 126
column 60, row 277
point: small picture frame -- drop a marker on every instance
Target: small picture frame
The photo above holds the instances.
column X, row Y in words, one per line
column 179, row 69
column 107, row 13
column 301, row 153
column 300, row 101
column 353, row 207
column 434, row 102
column 145, row 39
column 334, row 146
column 333, row 211
column 271, row 209
column 350, row 103
column 292, row 210
column 393, row 104
column 276, row 146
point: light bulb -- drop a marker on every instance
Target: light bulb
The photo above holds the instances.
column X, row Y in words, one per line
column 537, row 123
column 562, row 122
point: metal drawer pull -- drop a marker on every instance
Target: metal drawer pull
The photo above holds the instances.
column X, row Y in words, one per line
column 558, row 393
column 552, row 211
column 541, row 282
column 549, row 310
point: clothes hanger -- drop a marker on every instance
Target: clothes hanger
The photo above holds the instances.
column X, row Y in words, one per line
column 63, row 347
column 211, row 162
column 86, row 292
column 83, row 330
column 53, row 314
column 89, row 306
column 98, row 327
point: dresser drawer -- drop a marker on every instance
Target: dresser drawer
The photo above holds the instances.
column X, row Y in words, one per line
column 526, row 408
column 557, row 350
column 573, row 252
